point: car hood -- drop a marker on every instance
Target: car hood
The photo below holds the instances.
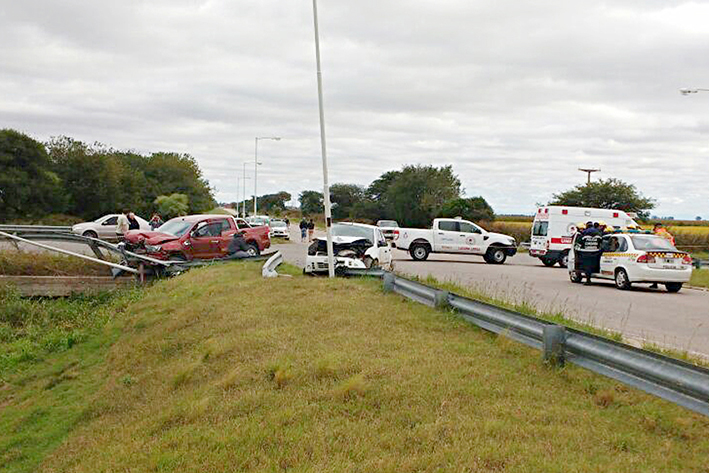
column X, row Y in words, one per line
column 149, row 237
column 359, row 245
column 500, row 236
column 83, row 225
column 344, row 240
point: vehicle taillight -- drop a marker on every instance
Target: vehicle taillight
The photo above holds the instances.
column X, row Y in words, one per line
column 687, row 259
column 396, row 234
column 646, row 259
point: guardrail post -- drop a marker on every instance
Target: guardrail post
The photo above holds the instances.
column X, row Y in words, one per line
column 554, row 339
column 389, row 282
column 441, row 300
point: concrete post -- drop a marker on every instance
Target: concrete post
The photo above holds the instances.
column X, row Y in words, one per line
column 554, row 338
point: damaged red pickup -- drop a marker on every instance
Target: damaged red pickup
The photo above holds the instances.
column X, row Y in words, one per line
column 197, row 237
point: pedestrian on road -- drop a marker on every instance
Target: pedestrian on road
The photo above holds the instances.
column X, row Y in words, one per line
column 122, row 225
column 133, row 223
column 287, row 222
column 661, row 231
column 311, row 230
column 155, row 221
column 303, row 229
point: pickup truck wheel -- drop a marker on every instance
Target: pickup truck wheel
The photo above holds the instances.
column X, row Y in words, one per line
column 370, row 263
column 253, row 249
column 496, row 256
column 548, row 262
column 564, row 260
column 673, row 286
column 419, row 252
column 621, row 279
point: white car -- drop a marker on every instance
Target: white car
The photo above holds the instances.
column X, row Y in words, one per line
column 258, row 220
column 632, row 258
column 104, row 227
column 279, row 229
column 356, row 246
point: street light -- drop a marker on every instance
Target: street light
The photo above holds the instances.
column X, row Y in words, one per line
column 244, row 191
column 238, row 204
column 326, row 187
column 256, row 163
column 692, row 91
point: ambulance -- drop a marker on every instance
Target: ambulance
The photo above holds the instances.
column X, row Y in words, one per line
column 555, row 225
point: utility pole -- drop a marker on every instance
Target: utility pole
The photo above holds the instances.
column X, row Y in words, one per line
column 589, row 172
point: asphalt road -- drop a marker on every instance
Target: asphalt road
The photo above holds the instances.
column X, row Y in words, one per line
column 677, row 320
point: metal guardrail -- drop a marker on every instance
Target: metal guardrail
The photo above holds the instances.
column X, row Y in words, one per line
column 701, row 263
column 674, row 380
column 269, row 267
column 34, row 228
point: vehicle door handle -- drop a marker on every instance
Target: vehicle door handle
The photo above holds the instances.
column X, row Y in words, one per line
column 440, row 233
column 213, row 241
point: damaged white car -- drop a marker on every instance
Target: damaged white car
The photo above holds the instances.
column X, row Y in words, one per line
column 356, row 246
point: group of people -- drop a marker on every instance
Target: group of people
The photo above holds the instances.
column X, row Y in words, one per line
column 306, row 228
column 128, row 221
column 588, row 241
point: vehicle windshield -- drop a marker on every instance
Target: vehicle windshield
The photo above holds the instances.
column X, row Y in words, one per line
column 278, row 224
column 176, row 227
column 352, row 231
column 387, row 223
column 652, row 243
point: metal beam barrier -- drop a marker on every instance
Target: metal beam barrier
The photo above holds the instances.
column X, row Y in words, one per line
column 34, row 228
column 269, row 267
column 682, row 383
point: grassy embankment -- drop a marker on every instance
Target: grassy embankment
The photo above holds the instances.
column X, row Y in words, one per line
column 220, row 370
column 30, row 263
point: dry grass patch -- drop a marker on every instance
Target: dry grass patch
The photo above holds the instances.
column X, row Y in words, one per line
column 303, row 374
column 30, row 263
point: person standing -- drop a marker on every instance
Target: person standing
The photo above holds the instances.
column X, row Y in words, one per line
column 303, row 228
column 661, row 231
column 122, row 225
column 588, row 249
column 311, row 230
column 155, row 221
column 133, row 223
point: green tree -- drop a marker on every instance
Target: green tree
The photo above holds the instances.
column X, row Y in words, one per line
column 346, row 200
column 311, row 202
column 174, row 205
column 415, row 195
column 273, row 203
column 28, row 186
column 607, row 194
column 473, row 208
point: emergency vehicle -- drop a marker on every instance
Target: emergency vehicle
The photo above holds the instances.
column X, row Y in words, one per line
column 630, row 258
column 554, row 227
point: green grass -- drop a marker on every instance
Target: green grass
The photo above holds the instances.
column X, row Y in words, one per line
column 700, row 278
column 25, row 263
column 221, row 370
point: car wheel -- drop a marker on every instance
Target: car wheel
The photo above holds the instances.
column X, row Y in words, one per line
column 370, row 263
column 564, row 260
column 496, row 256
column 575, row 277
column 548, row 262
column 621, row 279
column 419, row 252
column 90, row 234
column 253, row 250
column 673, row 286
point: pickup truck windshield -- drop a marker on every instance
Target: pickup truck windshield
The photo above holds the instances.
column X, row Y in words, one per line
column 652, row 243
column 352, row 231
column 175, row 227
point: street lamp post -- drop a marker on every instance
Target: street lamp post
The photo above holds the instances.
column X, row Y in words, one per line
column 256, row 163
column 244, row 188
column 238, row 186
column 692, row 91
column 326, row 187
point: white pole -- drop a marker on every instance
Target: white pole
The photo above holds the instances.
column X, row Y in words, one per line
column 243, row 202
column 255, row 173
column 326, row 187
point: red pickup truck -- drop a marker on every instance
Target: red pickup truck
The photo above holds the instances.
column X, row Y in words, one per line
column 197, row 237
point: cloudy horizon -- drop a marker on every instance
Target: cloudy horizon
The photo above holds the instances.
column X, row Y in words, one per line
column 516, row 97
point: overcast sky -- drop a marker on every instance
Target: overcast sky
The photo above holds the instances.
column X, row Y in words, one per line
column 515, row 95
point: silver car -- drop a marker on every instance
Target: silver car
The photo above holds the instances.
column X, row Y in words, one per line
column 104, row 227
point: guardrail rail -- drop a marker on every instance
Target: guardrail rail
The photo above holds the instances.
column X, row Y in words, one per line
column 677, row 381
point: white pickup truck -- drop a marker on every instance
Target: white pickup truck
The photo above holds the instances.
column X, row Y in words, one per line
column 453, row 235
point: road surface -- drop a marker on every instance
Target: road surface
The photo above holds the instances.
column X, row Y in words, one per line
column 677, row 320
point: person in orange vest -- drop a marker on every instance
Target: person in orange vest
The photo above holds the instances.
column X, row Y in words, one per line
column 661, row 231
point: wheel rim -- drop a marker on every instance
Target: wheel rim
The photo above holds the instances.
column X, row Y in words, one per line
column 620, row 279
column 498, row 256
column 419, row 252
column 251, row 251
column 565, row 260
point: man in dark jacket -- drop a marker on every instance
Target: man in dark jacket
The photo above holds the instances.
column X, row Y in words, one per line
column 238, row 248
column 588, row 251
column 303, row 229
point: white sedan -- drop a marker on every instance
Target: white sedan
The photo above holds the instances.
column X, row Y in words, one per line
column 279, row 229
column 356, row 246
column 631, row 258
column 104, row 227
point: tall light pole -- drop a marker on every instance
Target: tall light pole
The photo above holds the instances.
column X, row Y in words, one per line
column 589, row 172
column 244, row 191
column 326, row 186
column 256, row 163
column 692, row 91
column 243, row 181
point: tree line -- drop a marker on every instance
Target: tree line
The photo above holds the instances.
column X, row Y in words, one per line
column 66, row 176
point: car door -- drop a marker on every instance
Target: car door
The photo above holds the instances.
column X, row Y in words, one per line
column 226, row 236
column 204, row 240
column 107, row 228
column 470, row 238
column 446, row 236
column 384, row 248
column 615, row 248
